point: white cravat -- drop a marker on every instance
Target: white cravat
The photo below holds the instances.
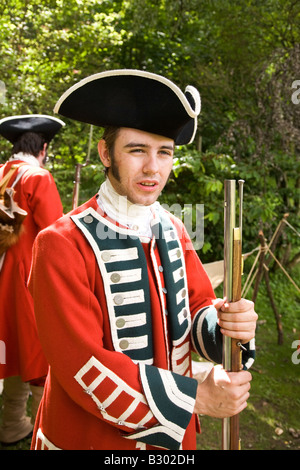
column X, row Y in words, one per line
column 25, row 157
column 120, row 209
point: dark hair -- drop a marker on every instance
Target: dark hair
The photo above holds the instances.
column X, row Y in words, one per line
column 29, row 142
column 110, row 135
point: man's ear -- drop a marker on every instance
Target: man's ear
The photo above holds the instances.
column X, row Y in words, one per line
column 103, row 153
column 43, row 151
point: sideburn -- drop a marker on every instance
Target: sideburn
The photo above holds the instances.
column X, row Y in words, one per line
column 114, row 169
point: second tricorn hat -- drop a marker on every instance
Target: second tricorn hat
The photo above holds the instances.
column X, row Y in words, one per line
column 12, row 127
column 135, row 99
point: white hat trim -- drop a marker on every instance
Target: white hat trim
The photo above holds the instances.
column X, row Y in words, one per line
column 10, row 118
column 196, row 96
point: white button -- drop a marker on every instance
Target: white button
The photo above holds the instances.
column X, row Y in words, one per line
column 115, row 277
column 118, row 299
column 105, row 256
column 88, row 219
column 120, row 322
column 124, row 344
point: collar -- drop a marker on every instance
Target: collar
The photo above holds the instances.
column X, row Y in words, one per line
column 120, row 209
column 25, row 157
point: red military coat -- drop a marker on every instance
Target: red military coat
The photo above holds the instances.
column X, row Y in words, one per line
column 107, row 387
column 37, row 194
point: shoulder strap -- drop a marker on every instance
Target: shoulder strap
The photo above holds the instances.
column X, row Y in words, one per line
column 20, row 174
column 9, row 174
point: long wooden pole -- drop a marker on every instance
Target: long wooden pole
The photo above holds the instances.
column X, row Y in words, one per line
column 78, row 168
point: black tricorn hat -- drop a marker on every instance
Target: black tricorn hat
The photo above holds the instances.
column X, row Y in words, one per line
column 135, row 99
column 12, row 127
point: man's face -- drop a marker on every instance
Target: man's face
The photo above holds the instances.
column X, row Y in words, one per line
column 140, row 166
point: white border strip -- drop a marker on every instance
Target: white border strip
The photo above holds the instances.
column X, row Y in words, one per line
column 52, row 118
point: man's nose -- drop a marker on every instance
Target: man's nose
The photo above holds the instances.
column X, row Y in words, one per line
column 151, row 163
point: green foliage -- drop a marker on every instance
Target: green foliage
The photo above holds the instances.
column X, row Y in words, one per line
column 242, row 56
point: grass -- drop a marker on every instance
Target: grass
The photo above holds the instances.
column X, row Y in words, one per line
column 271, row 420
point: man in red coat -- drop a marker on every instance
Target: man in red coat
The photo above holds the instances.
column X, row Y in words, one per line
column 121, row 297
column 35, row 193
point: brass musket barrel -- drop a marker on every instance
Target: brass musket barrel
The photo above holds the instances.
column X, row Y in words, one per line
column 232, row 292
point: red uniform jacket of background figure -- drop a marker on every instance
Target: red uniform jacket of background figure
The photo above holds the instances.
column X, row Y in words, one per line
column 37, row 194
column 74, row 325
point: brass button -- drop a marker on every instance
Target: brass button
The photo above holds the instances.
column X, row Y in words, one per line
column 115, row 277
column 181, row 272
column 124, row 344
column 183, row 293
column 118, row 299
column 120, row 322
column 160, row 268
column 178, row 253
column 185, row 314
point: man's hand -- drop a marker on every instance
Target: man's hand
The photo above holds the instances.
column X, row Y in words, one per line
column 237, row 319
column 223, row 394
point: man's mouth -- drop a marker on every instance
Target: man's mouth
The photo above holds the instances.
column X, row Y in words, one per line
column 146, row 183
column 148, row 186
